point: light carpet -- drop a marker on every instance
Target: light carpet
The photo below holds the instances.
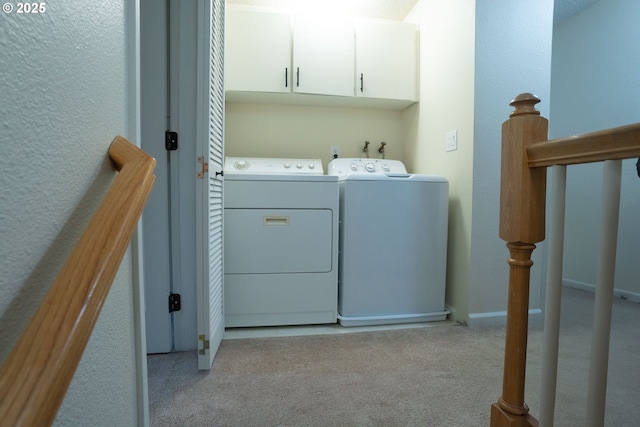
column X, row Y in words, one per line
column 441, row 375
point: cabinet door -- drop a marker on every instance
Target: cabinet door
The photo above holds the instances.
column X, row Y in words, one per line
column 323, row 56
column 258, row 51
column 386, row 58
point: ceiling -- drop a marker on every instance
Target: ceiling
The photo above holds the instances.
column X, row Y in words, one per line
column 397, row 9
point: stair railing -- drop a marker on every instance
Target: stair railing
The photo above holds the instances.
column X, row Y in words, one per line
column 526, row 153
column 36, row 375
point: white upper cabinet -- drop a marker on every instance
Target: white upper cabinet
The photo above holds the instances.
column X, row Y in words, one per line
column 276, row 57
column 323, row 56
column 257, row 51
column 386, row 60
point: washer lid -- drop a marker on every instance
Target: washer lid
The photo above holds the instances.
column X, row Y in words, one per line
column 279, row 166
column 343, row 167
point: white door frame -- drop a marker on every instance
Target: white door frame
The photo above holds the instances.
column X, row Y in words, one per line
column 169, row 90
column 183, row 56
column 155, row 218
column 180, row 52
column 137, row 250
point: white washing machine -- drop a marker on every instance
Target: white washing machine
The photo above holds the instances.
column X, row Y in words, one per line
column 392, row 243
column 280, row 242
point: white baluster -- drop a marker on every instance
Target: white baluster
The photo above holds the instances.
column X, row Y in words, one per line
column 604, row 293
column 553, row 297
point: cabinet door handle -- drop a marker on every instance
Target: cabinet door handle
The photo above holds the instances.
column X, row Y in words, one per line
column 298, row 76
column 286, row 76
column 361, row 82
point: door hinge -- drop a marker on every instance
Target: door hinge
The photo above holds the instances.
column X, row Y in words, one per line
column 174, row 302
column 170, row 140
column 204, row 167
column 205, row 344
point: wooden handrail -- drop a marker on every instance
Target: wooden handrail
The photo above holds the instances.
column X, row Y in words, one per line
column 526, row 152
column 610, row 144
column 36, row 374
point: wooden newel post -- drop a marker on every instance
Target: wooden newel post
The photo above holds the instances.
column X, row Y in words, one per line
column 522, row 212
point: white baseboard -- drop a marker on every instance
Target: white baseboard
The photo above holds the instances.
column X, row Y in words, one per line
column 583, row 286
column 453, row 314
column 619, row 293
column 498, row 318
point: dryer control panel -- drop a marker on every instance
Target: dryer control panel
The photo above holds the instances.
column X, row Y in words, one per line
column 263, row 165
column 343, row 167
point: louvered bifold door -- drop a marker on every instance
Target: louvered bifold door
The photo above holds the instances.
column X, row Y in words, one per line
column 210, row 213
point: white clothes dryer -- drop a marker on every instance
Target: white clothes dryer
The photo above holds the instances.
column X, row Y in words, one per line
column 392, row 243
column 280, row 242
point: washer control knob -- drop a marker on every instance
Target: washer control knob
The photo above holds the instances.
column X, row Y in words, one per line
column 312, row 166
column 299, row 165
column 386, row 168
column 241, row 164
column 354, row 167
column 287, row 165
column 370, row 167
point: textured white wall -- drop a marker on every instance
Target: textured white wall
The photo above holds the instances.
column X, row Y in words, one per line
column 63, row 80
column 513, row 55
column 595, row 85
column 446, row 103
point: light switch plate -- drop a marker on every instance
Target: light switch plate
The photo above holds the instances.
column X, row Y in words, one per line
column 452, row 140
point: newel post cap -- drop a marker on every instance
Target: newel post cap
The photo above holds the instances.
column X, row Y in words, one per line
column 524, row 104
